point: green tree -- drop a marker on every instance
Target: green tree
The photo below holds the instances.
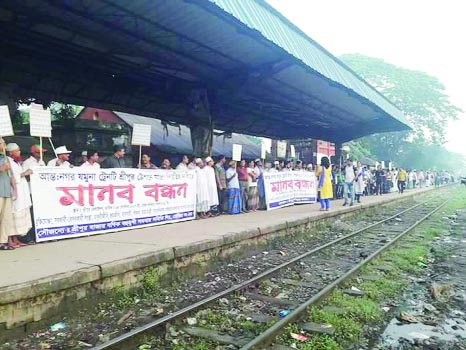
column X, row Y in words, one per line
column 421, row 97
column 63, row 111
column 423, row 100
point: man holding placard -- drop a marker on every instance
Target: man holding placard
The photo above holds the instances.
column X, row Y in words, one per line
column 63, row 155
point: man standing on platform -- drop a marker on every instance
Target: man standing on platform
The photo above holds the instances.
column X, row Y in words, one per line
column 212, row 186
column 62, row 160
column 21, row 204
column 29, row 164
column 348, row 189
column 183, row 165
column 34, row 159
column 92, row 158
column 221, row 179
column 379, row 180
column 401, row 177
column 6, row 194
column 116, row 160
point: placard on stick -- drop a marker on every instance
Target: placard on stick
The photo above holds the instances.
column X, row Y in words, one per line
column 281, row 149
column 263, row 149
column 6, row 129
column 141, row 135
column 236, row 152
column 40, row 121
column 292, row 151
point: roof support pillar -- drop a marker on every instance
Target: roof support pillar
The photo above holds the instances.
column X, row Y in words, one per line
column 338, row 154
column 202, row 131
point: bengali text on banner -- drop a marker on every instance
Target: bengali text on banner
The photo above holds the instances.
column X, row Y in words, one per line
column 289, row 187
column 80, row 202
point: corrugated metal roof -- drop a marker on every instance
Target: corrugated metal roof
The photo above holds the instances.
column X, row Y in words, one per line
column 259, row 15
column 177, row 140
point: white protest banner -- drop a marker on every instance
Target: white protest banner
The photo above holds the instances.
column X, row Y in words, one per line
column 305, row 187
column 40, row 121
column 292, row 151
column 80, row 202
column 289, row 187
column 281, row 149
column 236, row 152
column 279, row 189
column 6, row 129
column 141, row 135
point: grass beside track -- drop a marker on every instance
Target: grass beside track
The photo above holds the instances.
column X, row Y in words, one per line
column 358, row 312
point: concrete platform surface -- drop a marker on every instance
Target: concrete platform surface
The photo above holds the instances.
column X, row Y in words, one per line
column 82, row 259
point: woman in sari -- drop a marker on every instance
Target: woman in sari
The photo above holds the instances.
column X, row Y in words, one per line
column 324, row 174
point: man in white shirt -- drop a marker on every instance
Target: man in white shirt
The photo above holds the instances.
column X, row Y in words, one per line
column 92, row 158
column 349, row 174
column 34, row 160
column 63, row 155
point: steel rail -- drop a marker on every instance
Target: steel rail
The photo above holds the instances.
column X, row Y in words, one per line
column 186, row 310
column 269, row 335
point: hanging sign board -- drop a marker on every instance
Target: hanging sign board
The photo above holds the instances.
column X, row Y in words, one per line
column 292, row 151
column 6, row 129
column 141, row 135
column 40, row 121
column 281, row 149
column 236, row 152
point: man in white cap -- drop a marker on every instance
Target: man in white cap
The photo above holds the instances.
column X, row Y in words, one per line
column 202, row 190
column 21, row 204
column 212, row 185
column 276, row 167
column 62, row 160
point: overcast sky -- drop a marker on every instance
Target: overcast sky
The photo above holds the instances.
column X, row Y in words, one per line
column 422, row 35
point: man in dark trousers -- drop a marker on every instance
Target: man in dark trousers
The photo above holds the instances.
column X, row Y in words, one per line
column 379, row 180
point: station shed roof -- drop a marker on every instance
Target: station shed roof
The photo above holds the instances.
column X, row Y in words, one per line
column 236, row 64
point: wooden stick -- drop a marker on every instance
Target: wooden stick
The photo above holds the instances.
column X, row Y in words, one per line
column 41, row 152
column 53, row 147
column 140, row 157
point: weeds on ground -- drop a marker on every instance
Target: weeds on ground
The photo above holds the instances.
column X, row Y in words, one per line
column 357, row 312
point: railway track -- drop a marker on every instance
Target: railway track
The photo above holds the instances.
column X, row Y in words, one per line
column 298, row 283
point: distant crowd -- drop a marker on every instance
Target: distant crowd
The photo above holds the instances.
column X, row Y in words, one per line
column 223, row 187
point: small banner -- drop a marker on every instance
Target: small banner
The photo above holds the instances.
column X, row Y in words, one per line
column 6, row 129
column 141, row 135
column 281, row 149
column 40, row 121
column 236, row 152
column 286, row 188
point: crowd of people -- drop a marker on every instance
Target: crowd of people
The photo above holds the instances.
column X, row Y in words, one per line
column 222, row 187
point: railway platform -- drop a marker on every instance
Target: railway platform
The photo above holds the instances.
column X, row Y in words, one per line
column 37, row 280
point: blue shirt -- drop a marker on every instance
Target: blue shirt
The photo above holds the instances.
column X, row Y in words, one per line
column 5, row 184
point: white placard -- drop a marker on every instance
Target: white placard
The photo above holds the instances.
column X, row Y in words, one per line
column 263, row 150
column 236, row 152
column 6, row 129
column 281, row 149
column 141, row 135
column 292, row 151
column 81, row 201
column 40, row 121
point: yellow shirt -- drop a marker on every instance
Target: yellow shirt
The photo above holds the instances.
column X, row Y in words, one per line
column 401, row 175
